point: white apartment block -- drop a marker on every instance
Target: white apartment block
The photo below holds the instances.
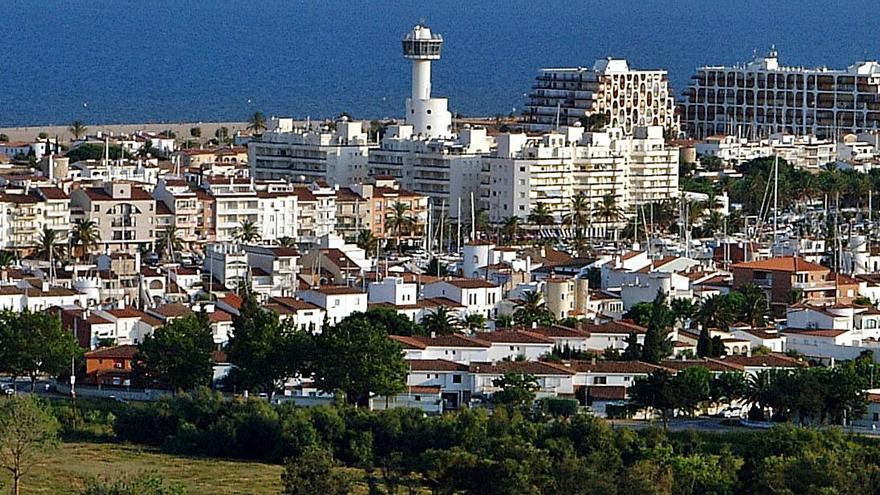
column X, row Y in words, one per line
column 808, row 152
column 764, row 97
column 552, row 169
column 273, row 207
column 337, row 155
column 628, row 98
column 445, row 170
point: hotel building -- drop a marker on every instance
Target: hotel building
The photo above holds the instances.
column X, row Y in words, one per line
column 763, row 97
column 627, row 97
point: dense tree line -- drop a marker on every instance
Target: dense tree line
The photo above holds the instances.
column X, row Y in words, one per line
column 810, row 396
column 510, row 451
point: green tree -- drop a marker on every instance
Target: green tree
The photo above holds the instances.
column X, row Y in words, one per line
column 640, row 313
column 474, row 322
column 195, row 132
column 28, row 432
column 754, row 309
column 510, row 229
column 49, row 246
column 356, row 356
column 515, row 389
column 313, row 473
column 657, row 344
column 532, row 309
column 656, row 392
column 264, row 350
column 393, row 322
column 7, row 259
column 594, row 121
column 247, row 232
column 436, row 269
column 78, row 129
column 368, row 242
column 692, row 388
column 633, row 350
column 257, row 122
column 92, row 151
column 400, row 221
column 85, row 235
column 222, row 134
column 715, row 312
column 176, row 355
column 579, row 214
column 608, row 211
column 50, row 348
column 440, row 322
column 729, row 387
column 541, row 215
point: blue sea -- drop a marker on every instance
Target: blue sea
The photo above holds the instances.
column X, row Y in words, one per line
column 201, row 60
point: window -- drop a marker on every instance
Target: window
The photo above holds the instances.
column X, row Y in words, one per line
column 456, row 378
column 599, row 380
column 876, row 417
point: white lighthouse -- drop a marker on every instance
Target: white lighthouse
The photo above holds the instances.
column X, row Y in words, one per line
column 428, row 116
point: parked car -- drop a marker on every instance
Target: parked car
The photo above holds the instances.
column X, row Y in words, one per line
column 731, row 412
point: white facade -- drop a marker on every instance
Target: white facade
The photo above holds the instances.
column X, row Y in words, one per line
column 338, row 302
column 552, row 169
column 393, row 290
column 628, row 98
column 763, row 97
column 338, row 155
column 477, row 296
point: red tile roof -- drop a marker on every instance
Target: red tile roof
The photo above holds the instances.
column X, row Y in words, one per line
column 116, row 352
column 783, row 264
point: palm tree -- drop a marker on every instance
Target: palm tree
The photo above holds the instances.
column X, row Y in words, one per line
column 440, row 322
column 257, row 123
column 7, row 259
column 715, row 313
column 754, row 309
column 247, row 232
column 541, row 215
column 169, row 243
column 474, row 322
column 579, row 214
column 78, row 129
column 399, row 220
column 608, row 211
column 50, row 247
column 531, row 309
column 367, row 241
column 85, row 235
column 510, row 228
column 287, row 241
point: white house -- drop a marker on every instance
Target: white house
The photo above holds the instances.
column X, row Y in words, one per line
column 338, row 301
column 478, row 296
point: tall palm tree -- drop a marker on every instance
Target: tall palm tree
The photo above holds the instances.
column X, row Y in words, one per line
column 399, row 221
column 50, row 247
column 474, row 322
column 84, row 235
column 257, row 122
column 755, row 306
column 440, row 322
column 608, row 211
column 579, row 214
column 168, row 243
column 541, row 215
column 367, row 241
column 78, row 129
column 510, row 228
column 247, row 232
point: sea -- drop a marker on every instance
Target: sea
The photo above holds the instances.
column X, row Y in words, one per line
column 211, row 60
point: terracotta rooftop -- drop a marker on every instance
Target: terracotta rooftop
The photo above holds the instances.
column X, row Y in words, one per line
column 783, row 264
column 115, row 352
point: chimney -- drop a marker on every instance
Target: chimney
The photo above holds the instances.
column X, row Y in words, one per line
column 534, row 324
column 433, row 335
column 593, row 360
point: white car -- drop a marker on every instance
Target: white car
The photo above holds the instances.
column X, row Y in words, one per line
column 732, row 412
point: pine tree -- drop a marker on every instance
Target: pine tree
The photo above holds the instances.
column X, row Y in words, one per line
column 657, row 344
column 705, row 344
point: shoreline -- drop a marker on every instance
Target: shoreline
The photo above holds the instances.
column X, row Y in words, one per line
column 182, row 129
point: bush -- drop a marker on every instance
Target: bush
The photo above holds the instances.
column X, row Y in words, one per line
column 556, row 406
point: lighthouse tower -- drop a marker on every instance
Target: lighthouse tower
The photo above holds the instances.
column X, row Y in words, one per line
column 428, row 116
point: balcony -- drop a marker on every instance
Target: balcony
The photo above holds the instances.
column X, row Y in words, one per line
column 815, row 286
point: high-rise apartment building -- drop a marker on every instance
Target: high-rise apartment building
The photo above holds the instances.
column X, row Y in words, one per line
column 628, row 98
column 763, row 97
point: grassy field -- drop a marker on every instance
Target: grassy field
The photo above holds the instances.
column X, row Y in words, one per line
column 69, row 468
